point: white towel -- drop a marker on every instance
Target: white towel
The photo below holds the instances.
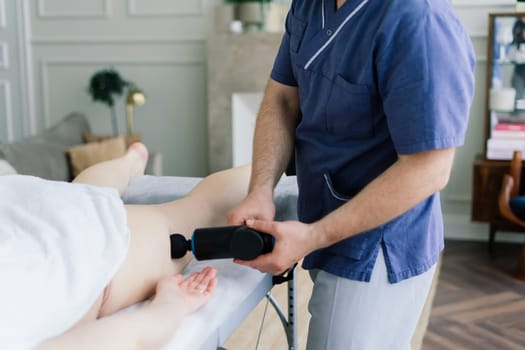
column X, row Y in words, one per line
column 60, row 245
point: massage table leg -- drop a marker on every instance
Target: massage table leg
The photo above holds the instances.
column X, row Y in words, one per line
column 290, row 321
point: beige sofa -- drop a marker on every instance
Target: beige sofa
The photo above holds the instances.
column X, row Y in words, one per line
column 45, row 154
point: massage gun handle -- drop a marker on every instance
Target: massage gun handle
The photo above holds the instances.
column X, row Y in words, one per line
column 238, row 242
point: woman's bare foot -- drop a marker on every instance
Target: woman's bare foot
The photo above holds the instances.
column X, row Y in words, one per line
column 138, row 153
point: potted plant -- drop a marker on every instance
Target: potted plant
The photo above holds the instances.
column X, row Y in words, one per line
column 103, row 86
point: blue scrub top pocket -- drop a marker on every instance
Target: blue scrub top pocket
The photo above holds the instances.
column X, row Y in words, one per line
column 296, row 28
column 351, row 109
column 352, row 247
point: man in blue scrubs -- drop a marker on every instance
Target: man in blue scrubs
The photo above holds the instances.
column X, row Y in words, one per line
column 374, row 98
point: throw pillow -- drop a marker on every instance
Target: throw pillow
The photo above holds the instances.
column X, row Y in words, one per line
column 85, row 155
column 88, row 137
column 6, row 168
column 43, row 154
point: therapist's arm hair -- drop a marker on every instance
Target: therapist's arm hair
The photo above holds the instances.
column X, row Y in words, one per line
column 146, row 328
column 411, row 179
column 274, row 134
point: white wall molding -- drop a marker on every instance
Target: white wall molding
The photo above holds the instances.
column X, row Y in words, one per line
column 113, row 40
column 45, row 64
column 42, row 12
column 4, row 57
column 27, row 94
column 174, row 11
column 459, row 226
column 130, row 61
column 480, row 59
column 479, row 35
column 3, row 22
column 5, row 96
column 459, row 199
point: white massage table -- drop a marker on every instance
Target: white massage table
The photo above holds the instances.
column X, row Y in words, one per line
column 240, row 289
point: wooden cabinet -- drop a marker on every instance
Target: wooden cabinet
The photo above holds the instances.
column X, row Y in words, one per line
column 487, row 176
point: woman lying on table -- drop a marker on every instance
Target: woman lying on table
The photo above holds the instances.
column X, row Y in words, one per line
column 72, row 255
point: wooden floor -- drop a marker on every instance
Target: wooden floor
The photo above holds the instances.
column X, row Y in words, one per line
column 479, row 305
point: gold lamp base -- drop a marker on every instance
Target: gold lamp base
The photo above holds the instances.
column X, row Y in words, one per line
column 134, row 98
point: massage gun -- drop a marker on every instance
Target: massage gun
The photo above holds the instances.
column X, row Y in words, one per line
column 239, row 242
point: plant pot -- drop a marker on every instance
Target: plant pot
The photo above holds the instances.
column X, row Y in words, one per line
column 250, row 13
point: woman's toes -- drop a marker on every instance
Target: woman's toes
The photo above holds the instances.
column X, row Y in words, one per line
column 139, row 153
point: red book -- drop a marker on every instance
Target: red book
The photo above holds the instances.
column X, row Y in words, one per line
column 509, row 127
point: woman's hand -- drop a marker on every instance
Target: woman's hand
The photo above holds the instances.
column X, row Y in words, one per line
column 176, row 294
column 148, row 327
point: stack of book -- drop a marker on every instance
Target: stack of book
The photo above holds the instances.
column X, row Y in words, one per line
column 507, row 136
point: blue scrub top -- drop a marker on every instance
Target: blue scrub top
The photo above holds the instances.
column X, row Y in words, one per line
column 376, row 79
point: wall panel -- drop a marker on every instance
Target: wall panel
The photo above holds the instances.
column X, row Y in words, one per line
column 63, row 9
column 161, row 8
column 2, row 14
column 6, row 111
column 159, row 45
column 172, row 121
column 4, row 55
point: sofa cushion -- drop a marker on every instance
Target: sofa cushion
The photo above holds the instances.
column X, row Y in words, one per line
column 6, row 168
column 85, row 155
column 130, row 139
column 43, row 154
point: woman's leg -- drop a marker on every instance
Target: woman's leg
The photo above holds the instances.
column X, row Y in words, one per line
column 116, row 172
column 148, row 259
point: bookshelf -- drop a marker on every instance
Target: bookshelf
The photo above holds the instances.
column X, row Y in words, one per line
column 504, row 119
column 507, row 133
column 505, row 86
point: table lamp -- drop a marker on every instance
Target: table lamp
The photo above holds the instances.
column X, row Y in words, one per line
column 134, row 98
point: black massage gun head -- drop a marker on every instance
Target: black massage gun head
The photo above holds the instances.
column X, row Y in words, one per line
column 179, row 245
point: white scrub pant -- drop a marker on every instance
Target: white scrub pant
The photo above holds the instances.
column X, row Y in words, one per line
column 375, row 315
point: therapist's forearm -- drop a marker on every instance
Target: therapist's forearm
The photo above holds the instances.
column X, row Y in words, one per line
column 402, row 186
column 274, row 135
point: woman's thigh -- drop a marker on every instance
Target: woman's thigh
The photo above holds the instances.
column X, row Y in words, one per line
column 148, row 259
column 149, row 255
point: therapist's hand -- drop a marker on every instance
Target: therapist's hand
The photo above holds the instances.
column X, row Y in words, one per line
column 293, row 240
column 256, row 205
